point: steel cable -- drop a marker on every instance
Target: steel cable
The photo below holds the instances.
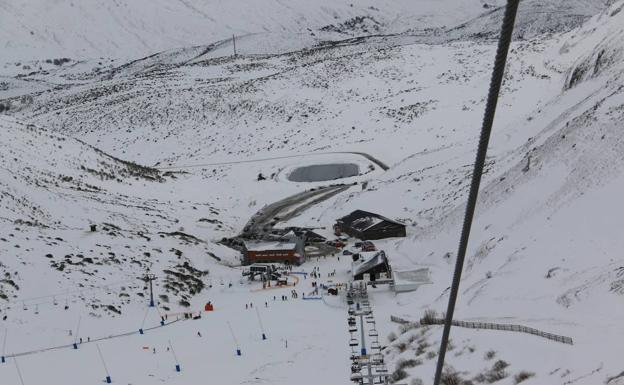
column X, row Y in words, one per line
column 488, row 119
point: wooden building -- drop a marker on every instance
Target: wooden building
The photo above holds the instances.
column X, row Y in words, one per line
column 366, row 225
column 267, row 252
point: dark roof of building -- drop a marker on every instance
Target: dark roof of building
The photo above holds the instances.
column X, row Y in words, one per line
column 362, row 220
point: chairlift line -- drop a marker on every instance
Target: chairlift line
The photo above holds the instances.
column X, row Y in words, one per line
column 19, row 372
column 65, row 294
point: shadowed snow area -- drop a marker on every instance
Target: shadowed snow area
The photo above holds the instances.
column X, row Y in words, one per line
column 322, row 172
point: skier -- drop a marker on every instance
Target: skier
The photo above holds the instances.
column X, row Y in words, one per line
column 198, row 334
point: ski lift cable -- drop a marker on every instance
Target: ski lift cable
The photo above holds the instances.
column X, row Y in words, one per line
column 19, row 372
column 486, row 129
column 145, row 316
column 66, row 293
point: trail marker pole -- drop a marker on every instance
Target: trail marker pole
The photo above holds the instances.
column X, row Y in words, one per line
column 175, row 357
column 261, row 326
column 498, row 72
column 238, row 351
column 234, row 42
column 19, row 372
column 76, row 334
column 6, row 332
column 108, row 377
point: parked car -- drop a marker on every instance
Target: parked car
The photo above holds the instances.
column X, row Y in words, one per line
column 346, row 252
column 358, row 244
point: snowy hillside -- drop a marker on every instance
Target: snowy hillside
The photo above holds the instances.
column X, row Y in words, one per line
column 544, row 248
column 40, row 29
column 223, row 134
column 44, row 29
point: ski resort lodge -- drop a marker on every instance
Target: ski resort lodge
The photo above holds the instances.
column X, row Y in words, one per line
column 365, row 225
column 266, row 252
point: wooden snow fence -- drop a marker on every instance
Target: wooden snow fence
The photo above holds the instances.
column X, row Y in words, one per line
column 490, row 326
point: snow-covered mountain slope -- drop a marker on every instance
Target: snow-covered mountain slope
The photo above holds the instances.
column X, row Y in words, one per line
column 55, row 187
column 44, row 29
column 534, row 18
column 544, row 250
column 40, row 29
column 359, row 95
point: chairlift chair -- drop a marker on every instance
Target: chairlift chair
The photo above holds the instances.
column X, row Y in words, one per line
column 377, row 361
column 353, row 342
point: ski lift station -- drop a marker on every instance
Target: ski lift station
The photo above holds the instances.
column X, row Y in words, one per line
column 374, row 268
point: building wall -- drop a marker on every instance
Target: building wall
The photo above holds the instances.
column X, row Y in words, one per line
column 272, row 256
column 374, row 272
